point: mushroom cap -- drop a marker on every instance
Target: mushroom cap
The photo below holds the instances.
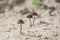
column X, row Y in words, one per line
column 29, row 16
column 34, row 14
column 20, row 21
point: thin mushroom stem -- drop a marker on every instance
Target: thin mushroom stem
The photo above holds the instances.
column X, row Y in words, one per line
column 30, row 22
column 20, row 27
column 33, row 20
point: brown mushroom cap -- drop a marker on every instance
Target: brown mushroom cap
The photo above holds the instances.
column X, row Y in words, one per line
column 29, row 16
column 34, row 14
column 20, row 21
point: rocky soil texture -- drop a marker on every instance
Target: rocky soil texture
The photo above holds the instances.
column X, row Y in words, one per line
column 46, row 24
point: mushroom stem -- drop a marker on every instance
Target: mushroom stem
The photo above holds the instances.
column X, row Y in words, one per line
column 20, row 27
column 30, row 22
column 33, row 20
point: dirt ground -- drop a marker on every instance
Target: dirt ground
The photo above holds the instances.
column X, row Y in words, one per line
column 46, row 27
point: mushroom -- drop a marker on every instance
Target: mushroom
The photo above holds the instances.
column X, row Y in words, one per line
column 34, row 14
column 20, row 22
column 30, row 16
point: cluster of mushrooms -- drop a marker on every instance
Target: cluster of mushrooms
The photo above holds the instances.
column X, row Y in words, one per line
column 33, row 15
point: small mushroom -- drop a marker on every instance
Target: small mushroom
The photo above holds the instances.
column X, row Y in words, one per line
column 20, row 22
column 30, row 16
column 34, row 14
